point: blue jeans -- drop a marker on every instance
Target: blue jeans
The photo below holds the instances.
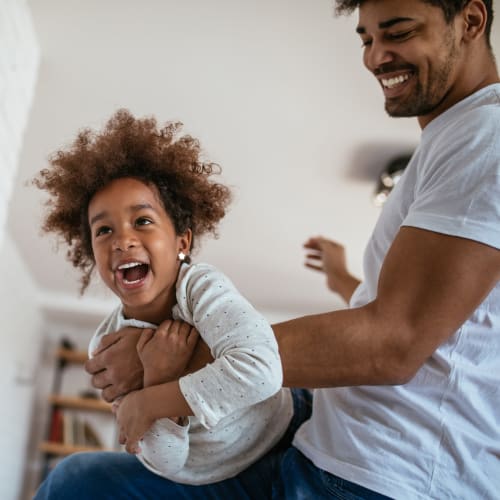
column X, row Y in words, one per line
column 300, row 479
column 120, row 476
column 282, row 474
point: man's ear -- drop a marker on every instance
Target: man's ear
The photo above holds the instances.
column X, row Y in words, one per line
column 475, row 17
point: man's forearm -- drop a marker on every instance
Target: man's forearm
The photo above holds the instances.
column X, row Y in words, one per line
column 340, row 348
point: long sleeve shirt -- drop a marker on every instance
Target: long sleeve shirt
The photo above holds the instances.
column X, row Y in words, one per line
column 240, row 409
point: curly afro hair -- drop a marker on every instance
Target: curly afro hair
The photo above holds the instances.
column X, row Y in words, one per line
column 129, row 147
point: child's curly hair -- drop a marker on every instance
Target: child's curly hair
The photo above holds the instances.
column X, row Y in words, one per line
column 129, row 147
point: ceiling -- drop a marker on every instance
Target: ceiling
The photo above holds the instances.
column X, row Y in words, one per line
column 275, row 91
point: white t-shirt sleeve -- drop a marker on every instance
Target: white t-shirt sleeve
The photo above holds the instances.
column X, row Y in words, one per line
column 247, row 367
column 458, row 193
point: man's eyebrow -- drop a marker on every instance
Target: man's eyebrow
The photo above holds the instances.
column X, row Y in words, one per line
column 133, row 208
column 360, row 30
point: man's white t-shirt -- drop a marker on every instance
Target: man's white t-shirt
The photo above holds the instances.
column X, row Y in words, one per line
column 438, row 436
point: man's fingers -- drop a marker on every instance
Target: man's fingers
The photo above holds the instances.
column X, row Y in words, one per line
column 93, row 365
column 314, row 256
column 106, row 341
column 100, row 379
column 110, row 393
column 314, row 266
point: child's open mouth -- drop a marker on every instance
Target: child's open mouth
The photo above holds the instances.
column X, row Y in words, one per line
column 132, row 273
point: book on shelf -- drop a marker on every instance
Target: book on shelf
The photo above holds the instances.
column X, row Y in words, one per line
column 69, row 428
column 56, row 426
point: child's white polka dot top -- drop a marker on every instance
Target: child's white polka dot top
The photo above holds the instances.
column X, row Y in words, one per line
column 240, row 409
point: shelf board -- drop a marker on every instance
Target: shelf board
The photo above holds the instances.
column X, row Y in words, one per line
column 80, row 403
column 72, row 355
column 64, row 449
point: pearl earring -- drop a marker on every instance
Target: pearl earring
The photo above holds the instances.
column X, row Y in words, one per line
column 181, row 256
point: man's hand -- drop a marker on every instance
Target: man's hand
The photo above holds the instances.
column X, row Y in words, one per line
column 116, row 367
column 329, row 257
column 166, row 351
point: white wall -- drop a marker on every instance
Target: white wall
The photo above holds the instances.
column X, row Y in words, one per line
column 18, row 68
column 21, row 320
column 20, row 339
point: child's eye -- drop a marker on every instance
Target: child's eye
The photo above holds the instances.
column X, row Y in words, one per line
column 143, row 221
column 366, row 43
column 102, row 230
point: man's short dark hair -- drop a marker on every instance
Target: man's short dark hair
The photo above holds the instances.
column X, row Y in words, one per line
column 450, row 9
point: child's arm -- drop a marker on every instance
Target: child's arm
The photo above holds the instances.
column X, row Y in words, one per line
column 160, row 443
column 166, row 351
column 247, row 368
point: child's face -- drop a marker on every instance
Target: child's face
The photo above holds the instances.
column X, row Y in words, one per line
column 135, row 248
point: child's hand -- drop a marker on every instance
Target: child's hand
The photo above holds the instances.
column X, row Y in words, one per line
column 166, row 351
column 132, row 419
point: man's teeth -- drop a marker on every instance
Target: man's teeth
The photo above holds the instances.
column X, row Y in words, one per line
column 389, row 83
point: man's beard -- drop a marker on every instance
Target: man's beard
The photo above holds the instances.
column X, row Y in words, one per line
column 424, row 101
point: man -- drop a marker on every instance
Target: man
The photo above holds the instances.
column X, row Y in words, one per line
column 408, row 375
column 422, row 338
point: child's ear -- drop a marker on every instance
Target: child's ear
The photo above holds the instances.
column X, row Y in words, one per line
column 185, row 241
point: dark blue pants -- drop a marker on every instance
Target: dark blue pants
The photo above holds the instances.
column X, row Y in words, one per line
column 120, row 476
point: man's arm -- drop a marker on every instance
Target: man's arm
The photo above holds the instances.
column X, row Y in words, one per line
column 429, row 285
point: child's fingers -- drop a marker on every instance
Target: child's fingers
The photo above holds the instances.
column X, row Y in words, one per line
column 165, row 328
column 122, row 439
column 192, row 336
column 183, row 330
column 115, row 406
column 133, row 447
column 146, row 336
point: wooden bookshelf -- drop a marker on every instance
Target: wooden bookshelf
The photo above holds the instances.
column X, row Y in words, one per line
column 62, row 449
column 79, row 403
column 70, row 429
column 71, row 355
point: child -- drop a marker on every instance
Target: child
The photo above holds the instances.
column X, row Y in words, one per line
column 131, row 201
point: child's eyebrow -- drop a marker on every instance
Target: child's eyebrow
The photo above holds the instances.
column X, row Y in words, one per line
column 360, row 30
column 97, row 217
column 133, row 208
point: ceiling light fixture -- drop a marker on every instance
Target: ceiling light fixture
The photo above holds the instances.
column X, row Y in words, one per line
column 389, row 178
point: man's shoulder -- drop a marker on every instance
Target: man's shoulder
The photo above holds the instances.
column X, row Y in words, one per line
column 475, row 120
column 481, row 109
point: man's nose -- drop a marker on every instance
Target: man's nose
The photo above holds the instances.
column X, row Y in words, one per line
column 377, row 55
